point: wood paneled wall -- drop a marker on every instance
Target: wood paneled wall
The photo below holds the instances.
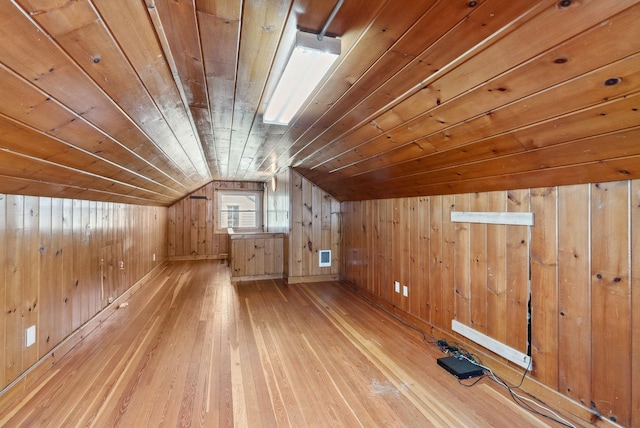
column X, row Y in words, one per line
column 310, row 219
column 581, row 262
column 192, row 223
column 315, row 225
column 61, row 262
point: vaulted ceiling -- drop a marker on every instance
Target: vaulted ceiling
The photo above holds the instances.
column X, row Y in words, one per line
column 143, row 101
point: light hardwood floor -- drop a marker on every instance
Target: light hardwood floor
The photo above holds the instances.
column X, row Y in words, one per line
column 191, row 349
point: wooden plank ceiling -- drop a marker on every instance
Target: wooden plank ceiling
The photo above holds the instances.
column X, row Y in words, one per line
column 143, row 101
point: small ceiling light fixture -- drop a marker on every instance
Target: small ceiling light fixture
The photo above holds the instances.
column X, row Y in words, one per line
column 311, row 58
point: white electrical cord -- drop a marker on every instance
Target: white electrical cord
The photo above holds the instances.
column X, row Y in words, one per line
column 503, row 384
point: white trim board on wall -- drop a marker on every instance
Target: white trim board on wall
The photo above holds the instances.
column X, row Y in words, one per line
column 514, row 219
column 492, row 344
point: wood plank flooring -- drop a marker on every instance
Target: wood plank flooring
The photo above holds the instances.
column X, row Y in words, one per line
column 191, row 349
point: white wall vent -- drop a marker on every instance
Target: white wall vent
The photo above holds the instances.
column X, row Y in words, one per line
column 324, row 258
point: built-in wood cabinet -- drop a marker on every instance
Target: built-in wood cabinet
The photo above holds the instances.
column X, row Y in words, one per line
column 256, row 255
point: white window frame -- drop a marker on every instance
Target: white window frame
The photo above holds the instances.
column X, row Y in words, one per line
column 233, row 216
column 259, row 194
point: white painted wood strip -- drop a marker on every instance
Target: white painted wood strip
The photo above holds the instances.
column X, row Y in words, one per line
column 516, row 219
column 492, row 344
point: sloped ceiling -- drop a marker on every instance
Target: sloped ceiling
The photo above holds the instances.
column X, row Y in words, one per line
column 144, row 101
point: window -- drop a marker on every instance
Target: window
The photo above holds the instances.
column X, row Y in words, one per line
column 233, row 216
column 241, row 210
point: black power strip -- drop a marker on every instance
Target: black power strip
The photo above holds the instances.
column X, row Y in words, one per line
column 460, row 367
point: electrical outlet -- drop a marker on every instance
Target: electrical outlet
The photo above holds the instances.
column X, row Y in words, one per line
column 397, row 286
column 30, row 336
column 405, row 291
